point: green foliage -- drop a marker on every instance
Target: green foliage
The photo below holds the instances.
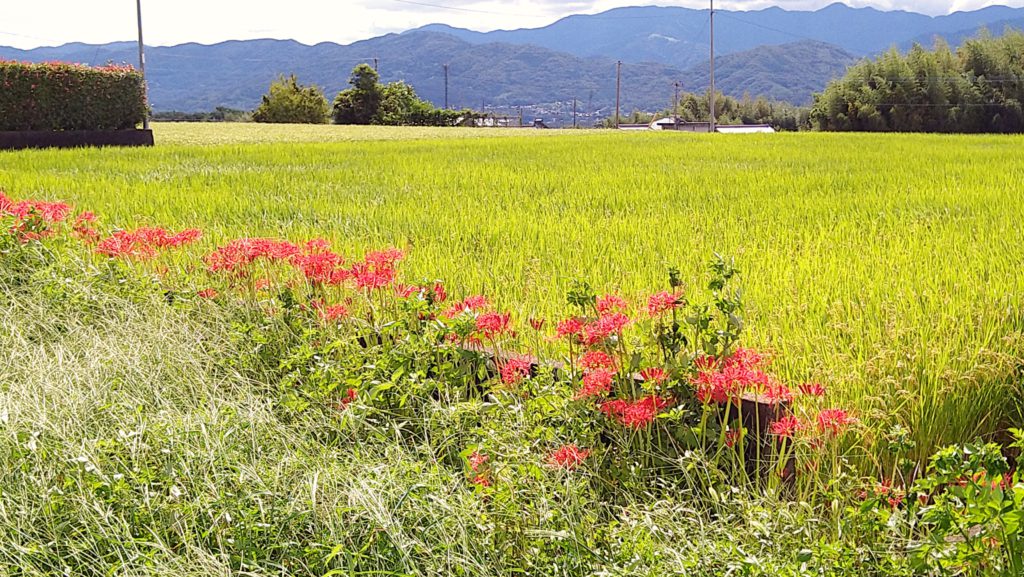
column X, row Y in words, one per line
column 394, row 104
column 977, row 89
column 219, row 114
column 728, row 110
column 360, row 103
column 57, row 96
column 288, row 102
column 180, row 436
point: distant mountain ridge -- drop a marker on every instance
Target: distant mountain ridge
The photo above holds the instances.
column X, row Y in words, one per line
column 640, row 34
column 781, row 54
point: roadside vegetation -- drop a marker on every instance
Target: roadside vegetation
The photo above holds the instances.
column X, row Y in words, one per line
column 276, row 407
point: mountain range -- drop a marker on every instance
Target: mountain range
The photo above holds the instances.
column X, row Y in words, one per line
column 780, row 54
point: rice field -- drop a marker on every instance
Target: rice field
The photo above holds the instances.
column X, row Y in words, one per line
column 884, row 266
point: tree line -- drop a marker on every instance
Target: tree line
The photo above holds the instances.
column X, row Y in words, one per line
column 728, row 110
column 977, row 88
column 366, row 101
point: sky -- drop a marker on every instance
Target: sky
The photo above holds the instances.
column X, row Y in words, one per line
column 28, row 24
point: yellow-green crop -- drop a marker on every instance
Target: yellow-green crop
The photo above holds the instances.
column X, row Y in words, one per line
column 887, row 267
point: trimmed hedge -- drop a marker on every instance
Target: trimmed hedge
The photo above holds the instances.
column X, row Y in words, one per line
column 58, row 96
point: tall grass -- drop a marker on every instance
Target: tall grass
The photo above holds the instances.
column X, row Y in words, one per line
column 885, row 266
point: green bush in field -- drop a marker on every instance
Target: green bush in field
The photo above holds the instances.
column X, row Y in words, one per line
column 56, row 96
column 288, row 102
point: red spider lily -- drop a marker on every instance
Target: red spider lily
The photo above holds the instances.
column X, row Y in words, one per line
column 732, row 436
column 515, row 370
column 537, row 324
column 611, row 304
column 596, row 383
column 812, row 390
column 654, row 375
column 370, row 276
column 635, row 414
column 662, row 302
column 262, row 284
column 568, row 457
column 84, row 227
column 598, row 360
column 727, row 380
column 469, row 304
column 834, row 421
column 777, row 393
column 333, row 313
column 569, row 328
column 144, row 243
column 51, row 212
column 604, row 327
column 384, row 259
column 348, row 399
column 482, row 480
column 405, row 291
column 440, row 294
column 493, row 325
column 705, row 363
column 208, row 293
column 320, row 267
column 787, row 427
column 476, row 460
column 242, row 251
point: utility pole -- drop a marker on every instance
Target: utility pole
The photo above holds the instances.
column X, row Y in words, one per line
column 675, row 107
column 712, row 107
column 375, row 65
column 142, row 67
column 520, row 116
column 446, row 87
column 574, row 112
column 618, row 90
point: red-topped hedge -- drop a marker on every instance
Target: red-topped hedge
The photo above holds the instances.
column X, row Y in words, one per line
column 58, row 96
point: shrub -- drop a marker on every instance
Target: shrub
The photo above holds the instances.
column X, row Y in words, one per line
column 289, row 102
column 56, row 96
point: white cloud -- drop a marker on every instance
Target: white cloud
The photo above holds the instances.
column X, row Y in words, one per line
column 49, row 22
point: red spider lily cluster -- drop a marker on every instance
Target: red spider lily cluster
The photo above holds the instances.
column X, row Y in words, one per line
column 493, row 325
column 468, row 305
column 635, row 414
column 568, row 457
column 33, row 219
column 596, row 383
column 662, row 302
column 480, row 473
column 514, row 371
column 144, row 243
column 600, row 362
column 728, row 380
column 51, row 212
column 238, row 253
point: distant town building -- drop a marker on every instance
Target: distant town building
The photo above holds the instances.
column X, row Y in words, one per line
column 681, row 125
column 744, row 128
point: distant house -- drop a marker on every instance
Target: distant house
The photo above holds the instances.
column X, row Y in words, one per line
column 681, row 125
column 744, row 129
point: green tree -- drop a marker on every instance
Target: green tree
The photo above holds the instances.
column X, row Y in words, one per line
column 287, row 101
column 977, row 89
column 361, row 103
column 399, row 105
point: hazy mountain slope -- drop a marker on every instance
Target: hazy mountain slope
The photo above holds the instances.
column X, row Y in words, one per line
column 956, row 38
column 790, row 72
column 679, row 36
